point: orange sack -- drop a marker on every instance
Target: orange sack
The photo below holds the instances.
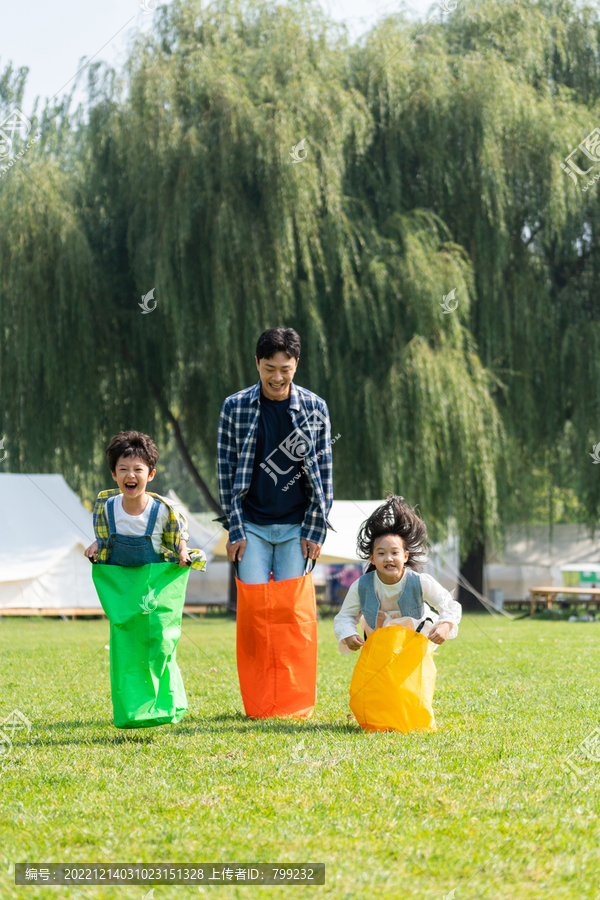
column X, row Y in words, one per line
column 393, row 682
column 277, row 647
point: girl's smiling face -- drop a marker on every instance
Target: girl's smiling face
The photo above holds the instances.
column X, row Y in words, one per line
column 389, row 558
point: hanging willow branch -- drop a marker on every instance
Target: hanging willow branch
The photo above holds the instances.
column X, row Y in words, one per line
column 181, row 445
column 436, row 172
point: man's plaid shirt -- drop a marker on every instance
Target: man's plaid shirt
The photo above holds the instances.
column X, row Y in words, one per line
column 175, row 531
column 309, row 441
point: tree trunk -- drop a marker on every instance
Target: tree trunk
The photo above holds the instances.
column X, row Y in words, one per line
column 472, row 570
column 200, row 483
column 190, row 465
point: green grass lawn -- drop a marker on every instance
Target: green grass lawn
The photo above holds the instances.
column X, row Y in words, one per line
column 482, row 806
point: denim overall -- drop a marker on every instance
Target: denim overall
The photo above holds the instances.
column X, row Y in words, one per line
column 410, row 601
column 127, row 550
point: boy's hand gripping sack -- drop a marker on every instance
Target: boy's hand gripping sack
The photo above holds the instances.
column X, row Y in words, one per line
column 144, row 605
column 277, row 647
column 393, row 682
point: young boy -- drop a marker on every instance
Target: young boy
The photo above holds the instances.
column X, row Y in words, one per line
column 134, row 527
column 143, row 602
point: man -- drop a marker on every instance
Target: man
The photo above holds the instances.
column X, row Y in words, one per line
column 274, row 460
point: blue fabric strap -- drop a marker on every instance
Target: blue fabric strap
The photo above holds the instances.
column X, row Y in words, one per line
column 153, row 515
column 110, row 512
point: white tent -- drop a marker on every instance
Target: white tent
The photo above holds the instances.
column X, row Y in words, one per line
column 533, row 556
column 210, row 586
column 44, row 529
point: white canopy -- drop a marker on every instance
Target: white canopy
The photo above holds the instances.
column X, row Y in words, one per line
column 44, row 529
column 534, row 555
column 346, row 516
column 210, row 586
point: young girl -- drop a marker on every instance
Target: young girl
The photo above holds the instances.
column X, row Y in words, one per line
column 394, row 541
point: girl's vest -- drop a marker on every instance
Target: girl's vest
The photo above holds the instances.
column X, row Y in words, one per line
column 410, row 601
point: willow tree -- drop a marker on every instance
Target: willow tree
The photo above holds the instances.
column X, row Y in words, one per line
column 473, row 118
column 425, row 163
column 65, row 387
column 47, row 347
column 192, row 168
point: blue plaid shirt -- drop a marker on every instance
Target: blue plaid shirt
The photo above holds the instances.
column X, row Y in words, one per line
column 309, row 440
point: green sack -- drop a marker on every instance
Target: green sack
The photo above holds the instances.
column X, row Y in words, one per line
column 144, row 605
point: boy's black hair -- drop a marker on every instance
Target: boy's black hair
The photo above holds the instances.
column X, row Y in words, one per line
column 275, row 340
column 394, row 516
column 132, row 443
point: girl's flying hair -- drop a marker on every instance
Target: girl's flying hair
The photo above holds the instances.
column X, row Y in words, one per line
column 394, row 516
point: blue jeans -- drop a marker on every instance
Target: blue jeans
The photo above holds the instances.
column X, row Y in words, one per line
column 271, row 548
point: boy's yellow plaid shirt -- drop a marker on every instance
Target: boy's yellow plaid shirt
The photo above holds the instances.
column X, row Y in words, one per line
column 175, row 531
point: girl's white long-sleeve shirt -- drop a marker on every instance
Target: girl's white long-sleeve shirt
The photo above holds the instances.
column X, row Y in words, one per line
column 434, row 595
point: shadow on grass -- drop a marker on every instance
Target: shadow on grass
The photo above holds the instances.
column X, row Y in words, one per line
column 56, row 734
column 238, row 723
column 224, row 723
column 76, row 723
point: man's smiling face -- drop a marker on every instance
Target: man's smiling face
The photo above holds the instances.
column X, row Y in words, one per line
column 132, row 475
column 276, row 375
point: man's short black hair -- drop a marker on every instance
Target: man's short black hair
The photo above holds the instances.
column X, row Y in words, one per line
column 275, row 340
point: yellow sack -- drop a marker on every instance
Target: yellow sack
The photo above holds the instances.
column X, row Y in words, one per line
column 393, row 682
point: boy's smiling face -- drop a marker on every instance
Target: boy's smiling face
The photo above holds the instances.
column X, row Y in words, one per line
column 389, row 558
column 132, row 475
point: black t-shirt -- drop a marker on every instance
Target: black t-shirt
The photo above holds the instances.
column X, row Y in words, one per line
column 274, row 468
